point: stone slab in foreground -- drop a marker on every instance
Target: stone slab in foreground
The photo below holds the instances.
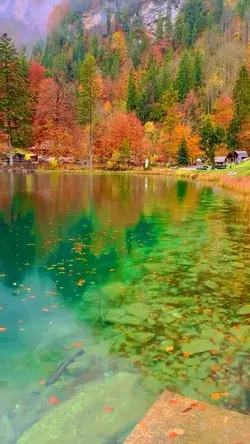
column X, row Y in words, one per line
column 181, row 420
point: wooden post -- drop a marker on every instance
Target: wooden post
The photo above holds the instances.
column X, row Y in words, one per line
column 10, row 152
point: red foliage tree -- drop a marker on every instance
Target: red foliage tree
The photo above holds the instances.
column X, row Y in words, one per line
column 114, row 131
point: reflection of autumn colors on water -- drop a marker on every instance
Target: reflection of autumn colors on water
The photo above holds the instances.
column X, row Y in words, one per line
column 148, row 274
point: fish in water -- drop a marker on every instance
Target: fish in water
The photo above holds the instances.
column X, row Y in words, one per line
column 61, row 369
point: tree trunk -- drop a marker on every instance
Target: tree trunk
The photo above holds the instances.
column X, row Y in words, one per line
column 90, row 146
column 10, row 152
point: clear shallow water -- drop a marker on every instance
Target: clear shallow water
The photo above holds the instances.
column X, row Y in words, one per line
column 149, row 276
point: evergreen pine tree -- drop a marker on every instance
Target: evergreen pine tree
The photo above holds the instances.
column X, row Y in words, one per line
column 159, row 28
column 184, row 77
column 24, row 69
column 211, row 136
column 183, row 153
column 168, row 29
column 132, row 94
column 241, row 103
column 241, row 95
column 148, row 93
column 108, row 21
column 180, row 30
column 14, row 96
column 198, row 70
column 88, row 97
column 95, row 46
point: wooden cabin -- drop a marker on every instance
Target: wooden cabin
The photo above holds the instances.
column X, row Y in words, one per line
column 220, row 161
column 237, row 156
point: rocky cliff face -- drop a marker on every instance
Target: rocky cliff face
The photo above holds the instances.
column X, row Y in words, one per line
column 149, row 10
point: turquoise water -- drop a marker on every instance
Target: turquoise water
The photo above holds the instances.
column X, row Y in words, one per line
column 149, row 276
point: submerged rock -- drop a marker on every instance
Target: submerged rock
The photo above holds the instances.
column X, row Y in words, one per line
column 103, row 409
column 245, row 310
column 7, row 433
column 197, row 346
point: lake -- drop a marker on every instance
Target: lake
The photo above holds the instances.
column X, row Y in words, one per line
column 148, row 275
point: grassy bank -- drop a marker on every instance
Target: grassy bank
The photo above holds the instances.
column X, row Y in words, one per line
column 236, row 178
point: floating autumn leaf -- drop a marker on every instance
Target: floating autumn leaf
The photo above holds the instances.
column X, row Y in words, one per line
column 54, row 400
column 80, row 282
column 172, row 434
column 45, row 309
column 223, row 393
column 173, row 401
column 215, row 396
column 202, row 406
column 190, row 407
column 215, row 368
column 213, row 352
column 186, row 355
column 3, row 329
column 169, row 349
column 78, row 345
column 108, row 409
column 42, row 382
column 32, row 297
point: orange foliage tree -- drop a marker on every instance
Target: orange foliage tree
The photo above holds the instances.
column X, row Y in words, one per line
column 180, row 132
column 244, row 137
column 55, row 119
column 223, row 112
column 114, row 131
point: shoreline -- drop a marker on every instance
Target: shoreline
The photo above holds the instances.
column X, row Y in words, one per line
column 237, row 182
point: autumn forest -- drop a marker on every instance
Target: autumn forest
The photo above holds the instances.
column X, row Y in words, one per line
column 117, row 97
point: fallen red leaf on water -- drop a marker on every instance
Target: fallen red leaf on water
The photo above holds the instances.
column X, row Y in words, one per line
column 54, row 400
column 78, row 345
column 202, row 406
column 173, row 401
column 186, row 355
column 215, row 396
column 194, row 404
column 173, row 435
column 108, row 409
column 215, row 368
column 213, row 352
column 3, row 329
column 187, row 409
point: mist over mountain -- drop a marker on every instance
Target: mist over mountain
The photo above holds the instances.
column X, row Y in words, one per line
column 24, row 20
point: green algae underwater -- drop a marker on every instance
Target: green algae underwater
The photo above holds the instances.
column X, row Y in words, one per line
column 150, row 276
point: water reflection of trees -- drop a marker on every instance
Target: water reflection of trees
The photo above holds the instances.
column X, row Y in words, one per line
column 73, row 266
column 17, row 241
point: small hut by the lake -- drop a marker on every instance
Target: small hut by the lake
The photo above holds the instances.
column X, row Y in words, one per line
column 220, row 161
column 237, row 156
